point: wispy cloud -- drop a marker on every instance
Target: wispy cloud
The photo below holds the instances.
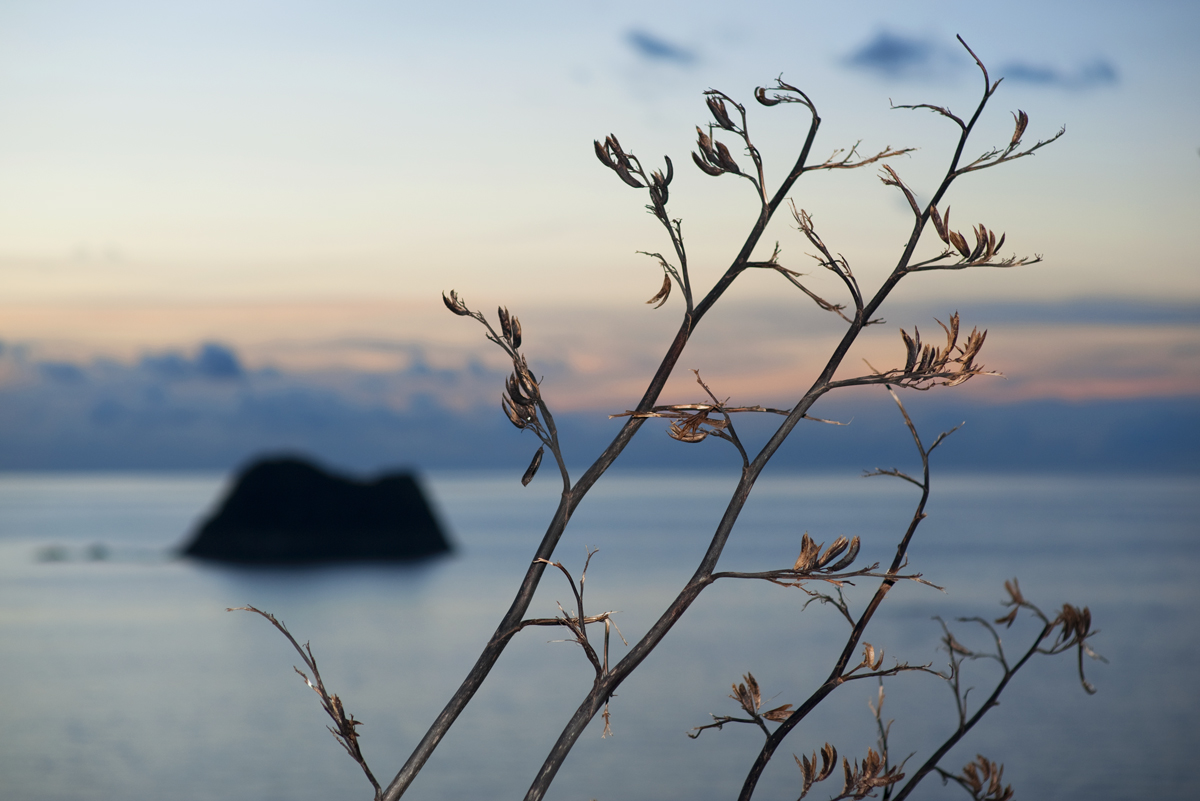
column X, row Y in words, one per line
column 653, row 48
column 900, row 57
column 1091, row 75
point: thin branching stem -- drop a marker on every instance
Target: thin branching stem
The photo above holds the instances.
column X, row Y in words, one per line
column 837, row 676
column 571, row 497
column 965, row 727
column 346, row 731
column 703, row 574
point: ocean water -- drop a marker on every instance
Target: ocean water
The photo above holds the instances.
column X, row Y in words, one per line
column 124, row 678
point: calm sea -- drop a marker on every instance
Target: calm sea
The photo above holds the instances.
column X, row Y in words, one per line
column 124, row 678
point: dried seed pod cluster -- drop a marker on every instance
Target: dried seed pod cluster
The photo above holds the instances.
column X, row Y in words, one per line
column 986, row 244
column 927, row 365
column 716, row 105
column 629, row 169
column 1076, row 625
column 808, row 768
column 521, row 395
column 749, row 697
column 1015, row 599
column 714, row 157
column 454, row 304
column 813, row 559
column 860, row 778
column 510, row 326
column 984, row 780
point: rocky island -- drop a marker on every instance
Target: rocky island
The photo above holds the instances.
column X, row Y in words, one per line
column 288, row 511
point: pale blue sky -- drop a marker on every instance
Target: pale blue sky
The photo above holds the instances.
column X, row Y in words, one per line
column 231, row 150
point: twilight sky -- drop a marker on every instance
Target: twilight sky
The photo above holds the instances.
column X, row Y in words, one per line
column 300, row 181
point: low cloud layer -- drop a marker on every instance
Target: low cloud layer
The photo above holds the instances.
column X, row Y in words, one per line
column 213, row 405
column 204, row 408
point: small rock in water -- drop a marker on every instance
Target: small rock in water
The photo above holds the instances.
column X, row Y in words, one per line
column 288, row 510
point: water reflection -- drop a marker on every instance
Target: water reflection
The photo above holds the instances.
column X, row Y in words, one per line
column 127, row 679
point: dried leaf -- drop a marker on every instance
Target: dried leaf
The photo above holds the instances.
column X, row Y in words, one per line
column 686, row 433
column 1022, row 120
column 513, row 386
column 938, row 225
column 779, row 713
column 846, row 560
column 806, row 770
column 833, row 550
column 957, row 240
column 516, row 332
column 911, row 349
column 760, row 94
column 531, row 471
column 955, row 646
column 627, row 177
column 747, row 695
column 602, row 154
column 717, row 106
column 755, row 692
column 663, row 293
column 1008, row 619
column 454, row 304
column 505, row 323
column 510, row 411
column 828, row 761
column 809, row 551
column 1014, row 592
column 704, row 165
column 725, row 159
